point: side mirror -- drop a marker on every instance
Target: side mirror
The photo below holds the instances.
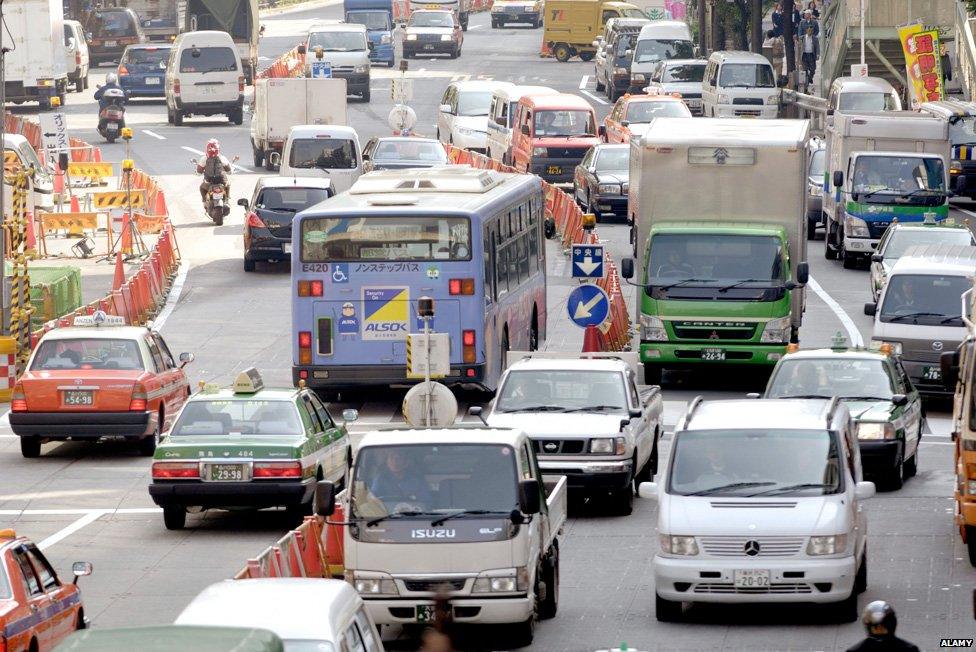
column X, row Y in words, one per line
column 186, row 358
column 838, row 179
column 525, row 130
column 301, row 49
column 876, row 258
column 324, row 498
column 242, row 202
column 477, row 411
column 349, row 415
column 444, row 108
column 899, row 400
column 864, row 490
column 949, row 365
column 635, row 414
column 870, row 308
column 529, row 502
column 647, row 490
column 627, row 268
column 803, row 273
column 275, row 159
column 81, row 569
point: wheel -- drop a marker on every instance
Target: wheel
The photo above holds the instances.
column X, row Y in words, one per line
column 587, row 56
column 861, row 579
column 846, row 610
column 600, row 86
column 622, row 500
column 236, row 116
column 79, row 84
column 652, row 374
column 80, row 620
column 550, row 577
column 495, row 24
column 895, row 479
column 971, row 543
column 177, row 117
column 365, row 95
column 523, row 633
column 534, row 332
column 811, row 229
column 589, row 209
column 219, row 220
column 849, row 259
column 147, row 445
column 85, row 83
column 268, row 165
column 257, row 156
column 562, row 52
column 455, row 53
column 30, row 446
column 830, row 242
column 536, row 23
column 666, row 611
column 248, row 265
column 174, row 518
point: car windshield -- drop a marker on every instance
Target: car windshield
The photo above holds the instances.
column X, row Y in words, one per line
column 145, row 57
column 433, row 479
column 930, row 299
column 755, row 462
column 290, row 200
column 87, row 353
column 746, row 75
column 684, row 73
column 114, row 23
column 238, row 417
column 962, row 130
column 474, row 103
column 370, row 19
column 432, row 19
column 569, row 390
column 293, row 645
column 615, row 159
column 215, row 59
column 818, row 163
column 834, row 376
column 337, row 239
column 337, row 41
column 899, row 179
column 647, row 111
column 873, row 101
column 733, row 267
column 326, row 153
column 410, row 150
column 901, row 239
column 652, row 49
column 564, row 123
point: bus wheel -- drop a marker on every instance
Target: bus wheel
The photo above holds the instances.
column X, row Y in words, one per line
column 504, row 349
column 971, row 543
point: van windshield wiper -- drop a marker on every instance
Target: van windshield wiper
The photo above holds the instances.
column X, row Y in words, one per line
column 806, row 396
column 793, row 487
column 538, row 408
column 466, row 512
column 910, row 315
column 729, row 487
column 952, row 318
column 726, row 288
column 379, row 519
column 596, row 408
column 684, row 282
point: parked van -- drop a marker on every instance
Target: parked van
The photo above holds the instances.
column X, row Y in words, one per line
column 861, row 95
column 344, row 48
column 329, row 151
column 78, row 59
column 501, row 114
column 739, row 84
column 919, row 311
column 659, row 41
column 43, row 183
column 204, row 77
column 551, row 134
column 112, row 30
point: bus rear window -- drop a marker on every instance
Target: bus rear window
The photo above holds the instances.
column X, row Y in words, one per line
column 338, row 239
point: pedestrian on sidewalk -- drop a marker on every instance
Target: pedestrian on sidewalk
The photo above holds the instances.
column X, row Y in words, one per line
column 778, row 47
column 812, row 7
column 810, row 49
column 946, row 61
column 808, row 21
column 777, row 18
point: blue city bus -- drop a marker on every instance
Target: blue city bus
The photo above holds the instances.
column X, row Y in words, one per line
column 470, row 239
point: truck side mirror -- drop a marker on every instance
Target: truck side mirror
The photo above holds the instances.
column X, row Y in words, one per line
column 949, row 365
column 802, row 273
column 324, row 498
column 301, row 49
column 627, row 268
column 870, row 308
column 529, row 502
column 899, row 400
column 275, row 159
column 838, row 179
column 876, row 258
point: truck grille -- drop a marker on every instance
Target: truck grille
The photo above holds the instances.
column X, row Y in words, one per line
column 558, row 446
column 433, row 586
column 755, row 101
column 737, row 546
column 704, row 331
column 574, row 153
column 716, row 587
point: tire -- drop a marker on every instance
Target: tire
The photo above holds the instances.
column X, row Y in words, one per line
column 666, row 611
column 523, row 633
column 562, row 53
column 85, row 83
column 296, row 513
column 845, row 611
column 647, row 472
column 257, row 156
column 219, row 220
column 971, row 543
column 79, row 84
column 589, row 209
column 454, row 53
column 587, row 56
column 494, row 24
column 248, row 265
column 622, row 500
column 236, row 116
column 80, row 621
column 849, row 260
column 147, row 445
column 177, row 118
column 174, row 518
column 550, row 575
column 861, row 579
column 652, row 374
column 895, row 479
column 536, row 24
column 63, row 97
column 811, row 229
column 600, row 87
column 30, row 447
column 365, row 95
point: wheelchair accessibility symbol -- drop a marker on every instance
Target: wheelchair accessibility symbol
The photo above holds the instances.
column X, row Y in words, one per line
column 340, row 273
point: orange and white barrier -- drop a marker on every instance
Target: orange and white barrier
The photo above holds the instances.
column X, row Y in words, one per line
column 313, row 549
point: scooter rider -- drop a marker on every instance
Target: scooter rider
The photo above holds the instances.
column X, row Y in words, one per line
column 111, row 83
column 880, row 622
column 214, row 168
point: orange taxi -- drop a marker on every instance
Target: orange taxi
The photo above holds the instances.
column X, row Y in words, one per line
column 98, row 378
column 632, row 113
column 37, row 610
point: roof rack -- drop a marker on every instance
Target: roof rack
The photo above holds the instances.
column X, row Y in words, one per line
column 828, row 413
column 695, row 402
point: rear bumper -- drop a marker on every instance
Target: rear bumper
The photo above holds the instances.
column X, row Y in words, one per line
column 16, row 91
column 436, row 47
column 230, row 494
column 337, row 377
column 590, row 475
column 82, row 425
column 616, row 204
column 381, row 53
column 210, row 108
column 516, row 16
column 140, row 89
column 267, row 247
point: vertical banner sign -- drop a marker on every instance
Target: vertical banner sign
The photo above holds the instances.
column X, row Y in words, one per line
column 922, row 63
column 54, row 136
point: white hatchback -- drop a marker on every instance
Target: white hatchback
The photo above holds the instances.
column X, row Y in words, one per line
column 462, row 119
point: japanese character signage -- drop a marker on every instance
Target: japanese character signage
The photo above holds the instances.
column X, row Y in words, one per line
column 922, row 63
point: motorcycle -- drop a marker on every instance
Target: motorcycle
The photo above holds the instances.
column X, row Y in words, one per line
column 111, row 119
column 216, row 204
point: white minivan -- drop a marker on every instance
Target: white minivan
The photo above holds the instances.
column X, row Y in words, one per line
column 760, row 501
column 204, row 77
column 77, row 59
column 501, row 114
column 739, row 85
column 658, row 41
column 462, row 118
column 330, row 151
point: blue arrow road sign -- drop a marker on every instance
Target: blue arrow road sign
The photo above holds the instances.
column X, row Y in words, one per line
column 588, row 305
column 321, row 69
column 587, row 261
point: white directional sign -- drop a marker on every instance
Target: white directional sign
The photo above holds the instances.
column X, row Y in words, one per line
column 54, row 136
column 401, row 91
column 587, row 261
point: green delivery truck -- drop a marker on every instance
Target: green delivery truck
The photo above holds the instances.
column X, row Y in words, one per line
column 718, row 213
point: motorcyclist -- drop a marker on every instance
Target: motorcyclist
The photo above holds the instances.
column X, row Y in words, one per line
column 880, row 622
column 111, row 83
column 214, row 168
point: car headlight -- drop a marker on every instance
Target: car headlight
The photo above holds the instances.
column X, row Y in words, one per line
column 678, row 545
column 652, row 329
column 772, row 100
column 539, row 151
column 777, row 331
column 497, row 8
column 505, row 580
column 855, row 227
column 411, row 37
column 638, row 76
column 895, row 346
column 868, row 430
column 608, row 188
column 377, row 584
column 723, row 99
column 445, row 37
column 385, row 39
column 361, row 69
column 828, row 545
column 955, row 167
column 608, row 446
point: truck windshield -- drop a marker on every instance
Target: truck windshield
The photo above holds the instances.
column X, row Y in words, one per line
column 562, row 391
column 115, row 23
column 327, row 153
column 746, row 75
column 818, row 163
column 337, row 239
column 901, row 239
column 223, row 417
column 653, row 49
column 929, row 299
column 857, row 102
column 337, row 41
column 216, row 59
column 647, row 111
column 684, row 73
column 370, row 19
column 87, row 353
column 566, row 123
column 418, row 480
column 738, row 463
column 828, row 377
column 899, row 179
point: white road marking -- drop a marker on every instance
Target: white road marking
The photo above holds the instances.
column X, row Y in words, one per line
column 233, row 165
column 852, row 333
column 583, row 82
column 174, row 296
column 935, row 443
column 153, row 134
column 475, row 27
column 594, row 97
column 89, row 516
column 963, row 210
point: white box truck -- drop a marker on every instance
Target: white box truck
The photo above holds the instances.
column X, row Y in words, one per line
column 881, row 166
column 280, row 104
column 719, row 214
column 36, row 65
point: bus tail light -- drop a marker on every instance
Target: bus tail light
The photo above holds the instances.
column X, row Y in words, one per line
column 305, row 347
column 277, row 470
column 461, row 286
column 18, row 400
column 255, row 222
column 138, row 401
column 469, row 373
column 310, row 288
column 175, row 470
column 468, row 341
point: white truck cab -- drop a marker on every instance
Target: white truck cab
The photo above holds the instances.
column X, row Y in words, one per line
column 330, row 151
column 761, row 502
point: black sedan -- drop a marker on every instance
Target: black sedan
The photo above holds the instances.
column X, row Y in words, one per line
column 600, row 182
column 276, row 200
column 401, row 152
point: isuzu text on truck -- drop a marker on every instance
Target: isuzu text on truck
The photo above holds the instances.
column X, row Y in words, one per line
column 719, row 215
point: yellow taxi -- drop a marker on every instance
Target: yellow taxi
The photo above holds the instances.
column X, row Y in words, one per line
column 633, row 113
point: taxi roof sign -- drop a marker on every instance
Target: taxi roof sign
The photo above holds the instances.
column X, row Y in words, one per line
column 838, row 341
column 99, row 318
column 248, row 381
column 8, row 534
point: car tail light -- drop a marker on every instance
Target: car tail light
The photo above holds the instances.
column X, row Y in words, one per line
column 468, row 341
column 175, row 470
column 240, row 83
column 469, row 373
column 303, row 374
column 77, row 63
column 305, row 347
column 18, row 401
column 255, row 222
column 277, row 470
column 123, row 71
column 3, row 644
column 310, row 288
column 461, row 286
column 138, row 402
column 176, row 87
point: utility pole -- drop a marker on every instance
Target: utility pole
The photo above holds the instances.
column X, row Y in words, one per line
column 3, row 179
column 789, row 30
column 702, row 29
column 756, row 20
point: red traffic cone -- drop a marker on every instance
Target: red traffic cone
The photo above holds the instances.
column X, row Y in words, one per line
column 75, row 208
column 160, row 207
column 591, row 340
column 97, row 155
column 119, row 279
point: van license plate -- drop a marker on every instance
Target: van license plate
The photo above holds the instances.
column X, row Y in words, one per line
column 429, row 47
column 83, row 397
column 152, row 80
column 111, row 44
column 226, row 472
column 713, row 355
column 931, row 373
column 751, row 579
column 554, row 169
column 425, row 613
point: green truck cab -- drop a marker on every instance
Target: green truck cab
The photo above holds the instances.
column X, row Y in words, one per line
column 173, row 638
column 719, row 237
column 248, row 447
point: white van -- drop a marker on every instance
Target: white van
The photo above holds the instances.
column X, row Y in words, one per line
column 860, row 95
column 501, row 114
column 204, row 77
column 77, row 59
column 344, row 49
column 739, row 84
column 43, row 181
column 330, row 151
column 658, row 41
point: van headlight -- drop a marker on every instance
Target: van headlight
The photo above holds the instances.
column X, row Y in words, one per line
column 678, row 545
column 652, row 329
column 777, row 331
column 955, row 167
column 723, row 99
column 609, row 188
column 361, row 69
column 372, row 585
column 503, row 580
column 895, row 346
column 828, row 545
column 608, row 446
column 539, row 151
column 772, row 100
column 855, row 227
column 868, row 430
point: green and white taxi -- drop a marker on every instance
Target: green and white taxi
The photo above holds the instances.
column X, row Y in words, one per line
column 885, row 406
column 248, row 447
column 900, row 236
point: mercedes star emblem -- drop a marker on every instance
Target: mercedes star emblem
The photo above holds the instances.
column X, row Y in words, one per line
column 751, row 548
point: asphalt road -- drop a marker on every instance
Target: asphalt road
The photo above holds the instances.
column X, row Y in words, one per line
column 90, row 502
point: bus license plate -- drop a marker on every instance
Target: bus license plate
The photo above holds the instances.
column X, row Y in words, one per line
column 554, row 169
column 713, row 355
column 425, row 613
column 79, row 397
column 226, row 472
column 931, row 373
column 751, row 579
column 152, row 80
